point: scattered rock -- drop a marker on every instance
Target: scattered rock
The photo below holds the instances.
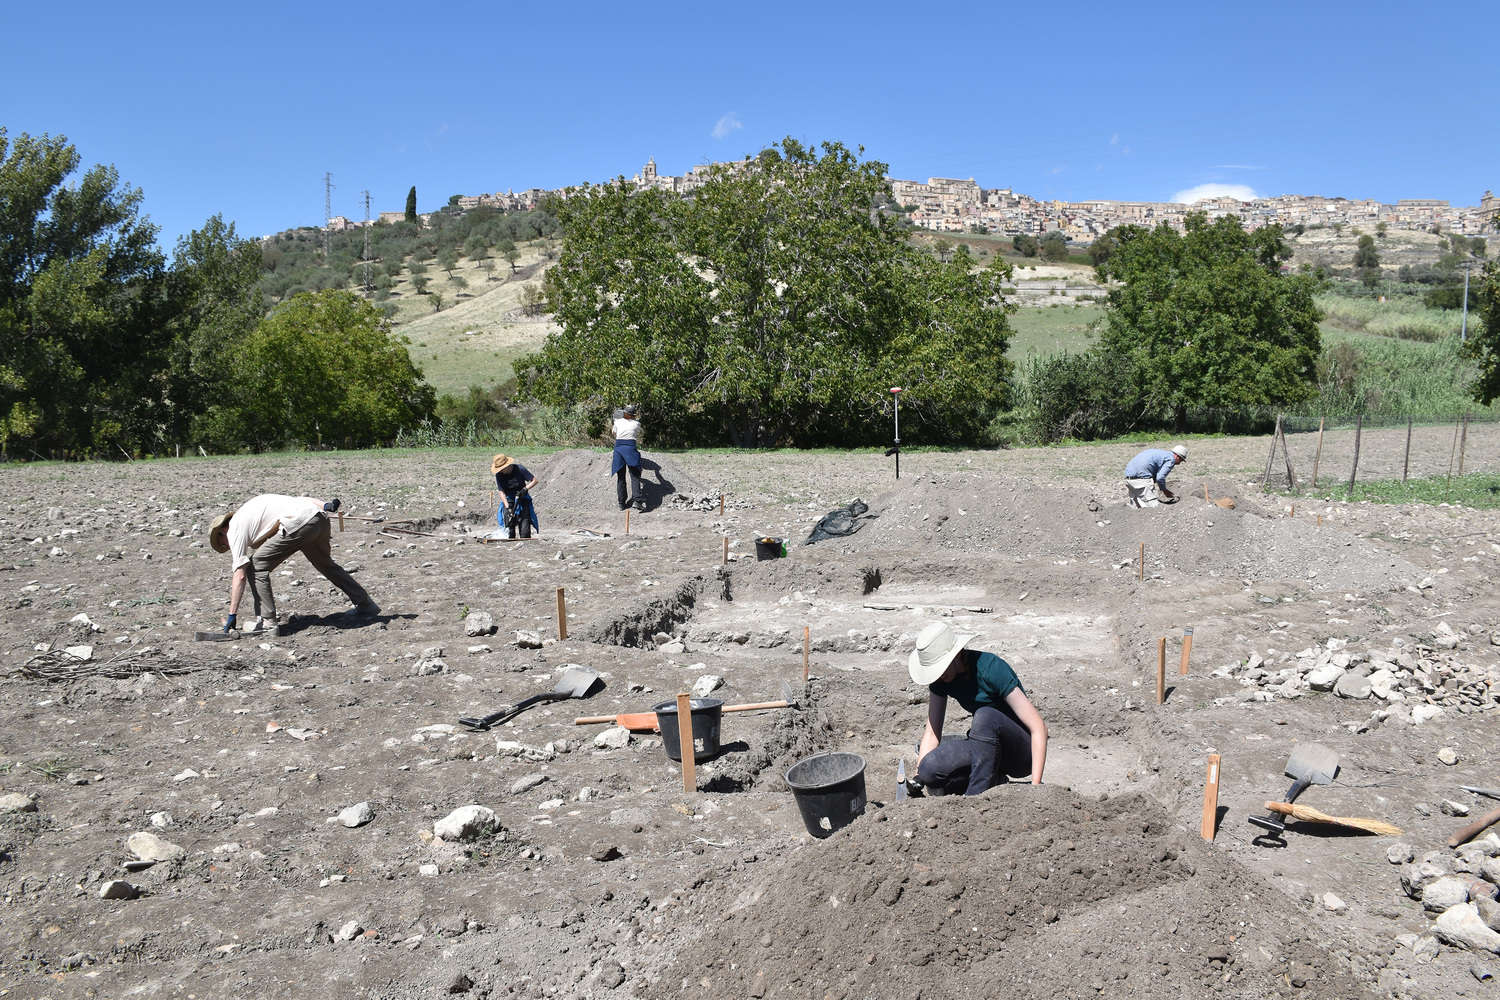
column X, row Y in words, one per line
column 526, row 783
column 1445, row 893
column 1451, row 808
column 120, row 889
column 429, row 665
column 1332, row 903
column 1462, row 926
column 357, row 815
column 161, row 820
column 460, row 983
column 150, row 847
column 528, row 639
column 350, row 931
column 611, row 975
column 1448, row 756
column 605, row 852
column 479, row 623
column 613, row 738
column 706, row 685
column 510, row 748
column 1425, row 713
column 466, row 823
column 1352, row 686
column 1489, row 912
column 1399, row 854
column 1324, row 678
column 17, row 802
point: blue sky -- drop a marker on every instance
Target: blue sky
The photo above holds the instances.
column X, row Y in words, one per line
column 241, row 110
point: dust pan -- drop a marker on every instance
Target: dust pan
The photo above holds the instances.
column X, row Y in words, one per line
column 1310, row 815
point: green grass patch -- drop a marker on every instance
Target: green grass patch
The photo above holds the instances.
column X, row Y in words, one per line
column 1400, row 316
column 1047, row 330
column 1477, row 490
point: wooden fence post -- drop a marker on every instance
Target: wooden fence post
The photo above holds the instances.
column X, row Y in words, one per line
column 1318, row 455
column 562, row 615
column 1271, row 458
column 1463, row 437
column 1210, row 821
column 1286, row 453
column 1359, row 424
column 1161, row 670
column 1406, row 458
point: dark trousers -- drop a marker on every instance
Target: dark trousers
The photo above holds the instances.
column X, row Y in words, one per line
column 518, row 517
column 998, row 747
column 635, row 485
column 312, row 541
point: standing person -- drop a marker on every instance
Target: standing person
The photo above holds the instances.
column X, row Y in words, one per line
column 514, row 481
column 1007, row 737
column 627, row 456
column 261, row 535
column 1146, row 476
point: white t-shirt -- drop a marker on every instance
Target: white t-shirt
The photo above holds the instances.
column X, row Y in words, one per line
column 627, row 429
column 256, row 516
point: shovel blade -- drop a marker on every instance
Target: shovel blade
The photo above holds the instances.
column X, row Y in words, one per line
column 1313, row 763
column 577, row 682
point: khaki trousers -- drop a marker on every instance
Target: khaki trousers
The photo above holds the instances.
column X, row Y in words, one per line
column 312, row 540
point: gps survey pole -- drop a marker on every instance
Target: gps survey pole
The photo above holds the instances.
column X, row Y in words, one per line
column 895, row 449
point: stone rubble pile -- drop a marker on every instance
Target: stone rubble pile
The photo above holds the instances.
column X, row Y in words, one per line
column 1460, row 888
column 1416, row 681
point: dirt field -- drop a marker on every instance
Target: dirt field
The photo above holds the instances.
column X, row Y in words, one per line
column 604, row 878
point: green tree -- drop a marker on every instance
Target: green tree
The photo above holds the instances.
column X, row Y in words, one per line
column 82, row 345
column 1100, row 249
column 1204, row 318
column 411, row 205
column 776, row 305
column 512, row 255
column 448, row 260
column 1367, row 260
column 324, row 366
column 1026, row 245
column 1484, row 335
column 1380, row 229
column 420, row 283
column 1054, row 246
column 476, row 248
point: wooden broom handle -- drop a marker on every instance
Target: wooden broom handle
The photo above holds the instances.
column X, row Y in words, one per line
column 1475, row 828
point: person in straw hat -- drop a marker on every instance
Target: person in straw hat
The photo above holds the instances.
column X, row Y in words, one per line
column 261, row 535
column 1007, row 737
column 514, row 482
column 1146, row 476
column 627, row 458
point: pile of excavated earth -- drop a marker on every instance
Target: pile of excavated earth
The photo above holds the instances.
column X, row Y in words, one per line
column 303, row 811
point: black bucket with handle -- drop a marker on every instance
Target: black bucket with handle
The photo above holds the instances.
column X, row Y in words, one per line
column 829, row 789
column 707, row 714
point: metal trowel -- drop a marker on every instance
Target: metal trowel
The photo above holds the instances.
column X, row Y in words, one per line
column 901, row 780
column 1309, row 764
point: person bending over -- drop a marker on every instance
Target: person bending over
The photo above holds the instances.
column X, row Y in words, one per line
column 627, row 456
column 1007, row 737
column 514, row 482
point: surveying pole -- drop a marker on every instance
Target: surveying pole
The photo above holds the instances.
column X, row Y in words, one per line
column 896, row 448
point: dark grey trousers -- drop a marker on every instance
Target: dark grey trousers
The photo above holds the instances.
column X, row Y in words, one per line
column 997, row 748
column 312, row 541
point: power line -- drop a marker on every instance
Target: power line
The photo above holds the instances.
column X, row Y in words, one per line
column 327, row 216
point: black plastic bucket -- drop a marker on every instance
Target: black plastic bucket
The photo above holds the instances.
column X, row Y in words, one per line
column 829, row 789
column 707, row 714
column 769, row 548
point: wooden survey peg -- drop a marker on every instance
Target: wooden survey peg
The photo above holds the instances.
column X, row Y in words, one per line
column 562, row 615
column 1161, row 670
column 1209, row 825
column 685, row 743
column 1187, row 649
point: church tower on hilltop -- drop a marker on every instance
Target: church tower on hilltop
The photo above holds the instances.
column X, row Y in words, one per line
column 648, row 172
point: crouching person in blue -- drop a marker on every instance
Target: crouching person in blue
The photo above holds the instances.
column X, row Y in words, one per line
column 1007, row 738
column 627, row 457
column 514, row 482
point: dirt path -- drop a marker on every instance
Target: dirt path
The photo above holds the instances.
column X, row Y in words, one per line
column 605, row 878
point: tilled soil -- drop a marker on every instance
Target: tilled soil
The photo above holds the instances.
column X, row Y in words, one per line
column 605, row 877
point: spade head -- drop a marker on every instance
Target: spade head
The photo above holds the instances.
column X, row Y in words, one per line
column 577, row 682
column 1312, row 764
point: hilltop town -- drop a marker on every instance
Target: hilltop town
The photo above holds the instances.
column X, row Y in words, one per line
column 949, row 205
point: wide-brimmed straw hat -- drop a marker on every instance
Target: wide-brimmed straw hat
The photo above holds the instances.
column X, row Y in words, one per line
column 1180, row 451
column 501, row 462
column 936, row 647
column 218, row 533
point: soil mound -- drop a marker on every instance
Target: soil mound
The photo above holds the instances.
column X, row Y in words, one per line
column 1011, row 517
column 575, row 485
column 1026, row 892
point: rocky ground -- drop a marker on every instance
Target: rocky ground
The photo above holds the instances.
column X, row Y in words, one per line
column 286, row 815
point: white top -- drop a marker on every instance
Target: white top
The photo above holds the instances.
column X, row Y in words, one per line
column 627, row 429
column 256, row 516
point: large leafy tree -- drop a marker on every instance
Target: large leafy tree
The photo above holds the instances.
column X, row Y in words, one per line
column 1484, row 337
column 78, row 274
column 776, row 304
column 1204, row 319
column 324, row 367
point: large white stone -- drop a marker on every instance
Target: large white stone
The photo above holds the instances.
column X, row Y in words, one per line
column 466, row 823
column 150, row 847
column 1462, row 925
column 356, row 815
column 613, row 738
column 1424, row 713
column 1352, row 686
column 17, row 802
column 1444, row 893
column 479, row 623
column 1324, row 678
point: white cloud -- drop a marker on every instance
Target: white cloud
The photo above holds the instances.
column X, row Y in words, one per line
column 1243, row 192
column 730, row 122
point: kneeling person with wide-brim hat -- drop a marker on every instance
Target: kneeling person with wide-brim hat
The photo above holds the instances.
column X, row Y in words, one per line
column 261, row 535
column 1007, row 737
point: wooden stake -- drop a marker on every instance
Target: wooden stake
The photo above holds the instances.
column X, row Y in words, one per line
column 341, row 521
column 562, row 615
column 1453, row 450
column 1210, row 822
column 1320, row 520
column 726, row 550
column 1205, row 494
column 1318, row 455
column 627, row 520
column 1161, row 670
column 1359, row 424
column 1406, row 458
column 1140, row 566
column 806, row 650
column 721, row 505
column 1286, row 453
column 1463, row 437
column 685, row 743
column 1294, row 511
column 1187, row 649
column 1271, row 458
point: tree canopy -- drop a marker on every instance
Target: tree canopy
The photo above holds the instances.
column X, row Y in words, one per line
column 322, row 367
column 1484, row 336
column 777, row 304
column 1205, row 318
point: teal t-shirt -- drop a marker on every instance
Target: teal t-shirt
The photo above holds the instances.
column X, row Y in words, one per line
column 987, row 684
